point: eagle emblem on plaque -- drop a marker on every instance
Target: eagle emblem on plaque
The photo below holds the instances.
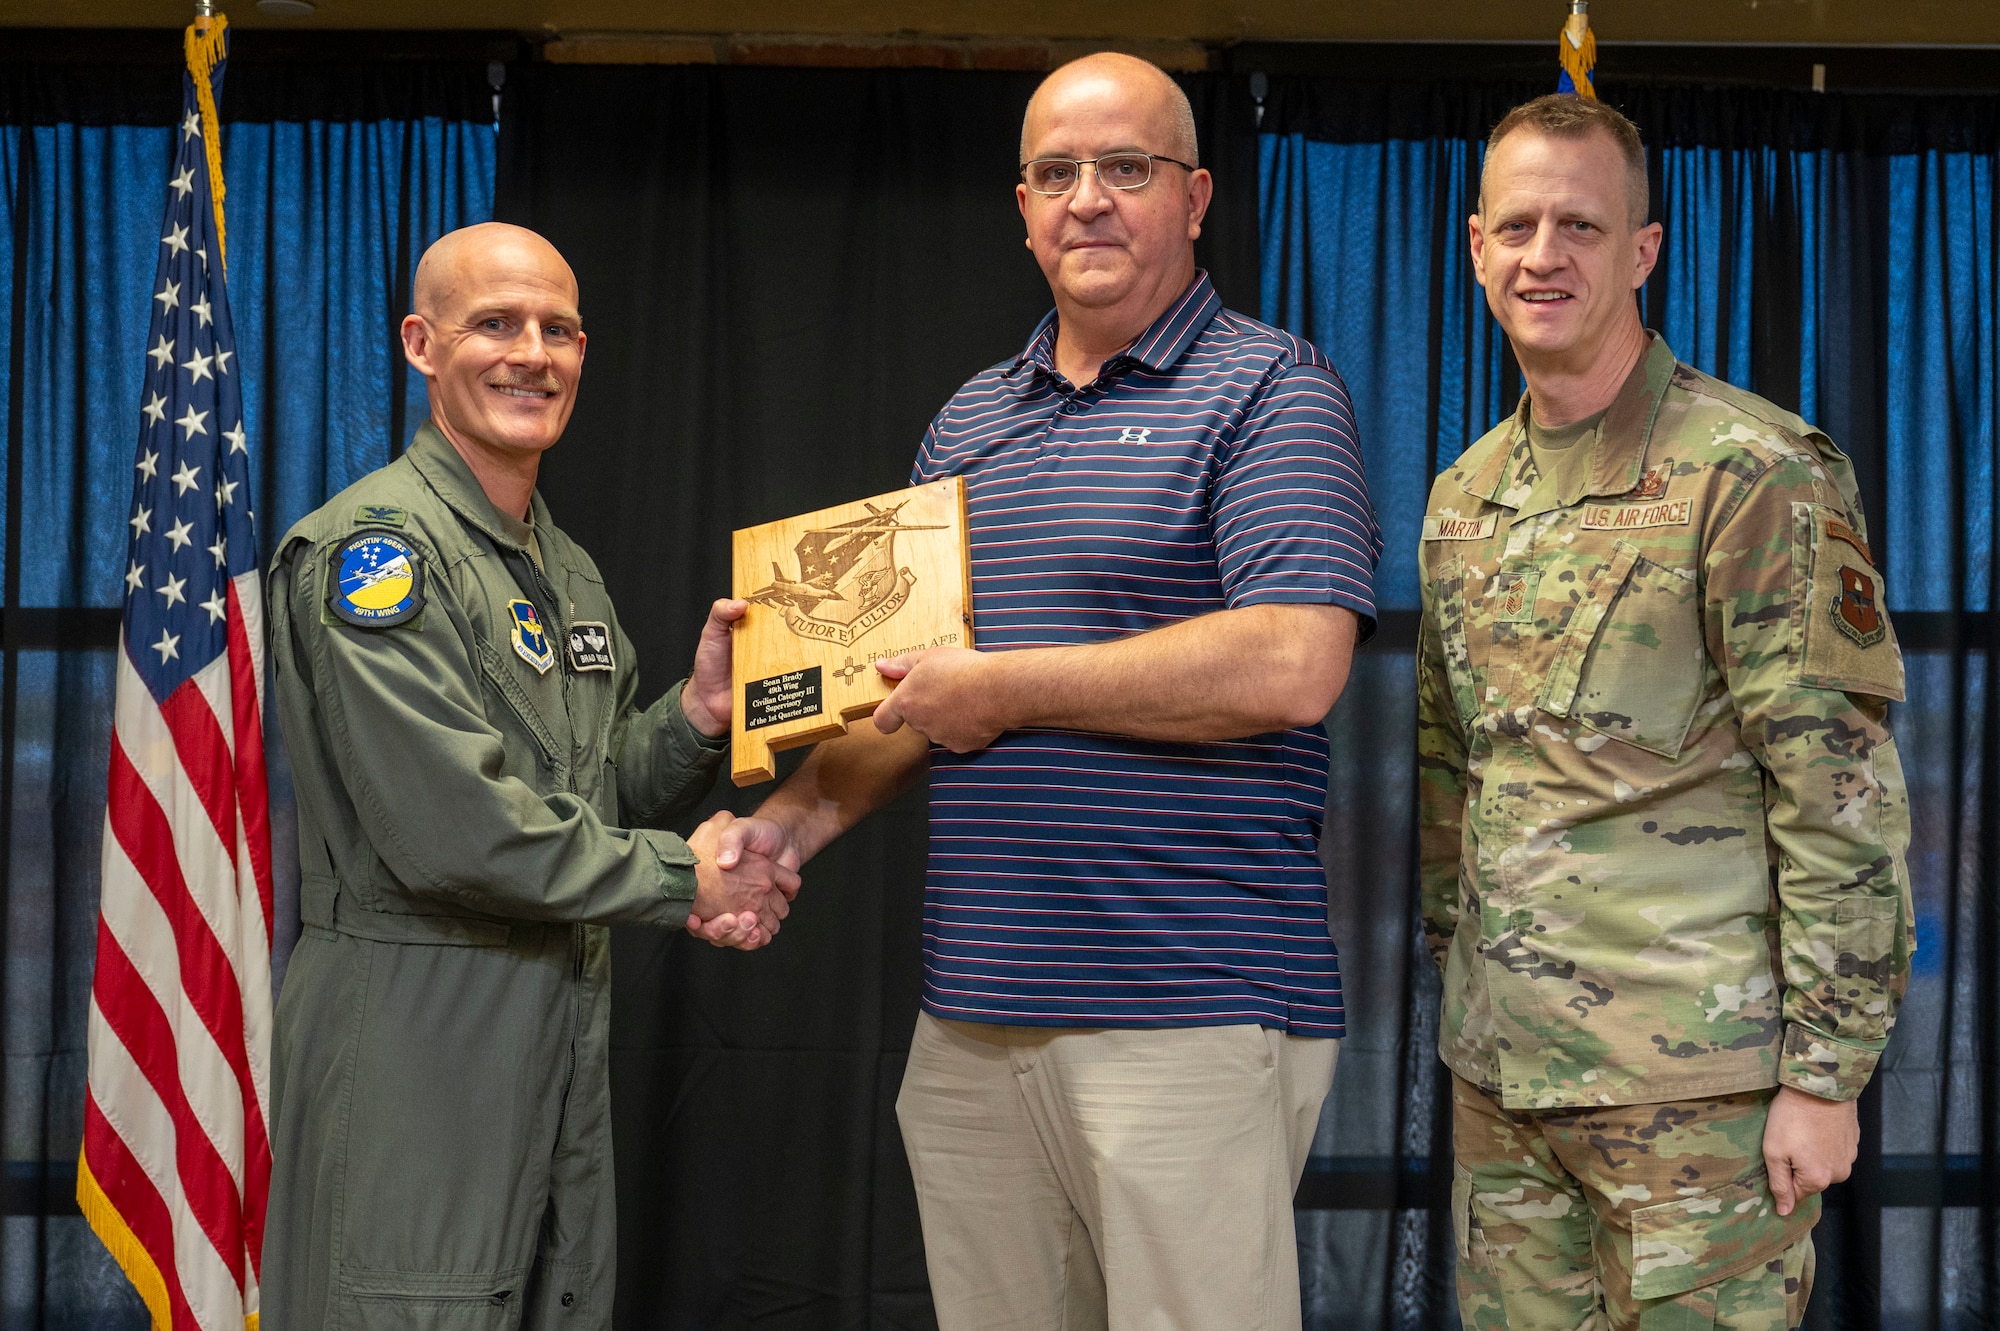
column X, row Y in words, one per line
column 848, row 581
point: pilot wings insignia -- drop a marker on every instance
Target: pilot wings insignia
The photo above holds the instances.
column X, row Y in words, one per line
column 848, row 581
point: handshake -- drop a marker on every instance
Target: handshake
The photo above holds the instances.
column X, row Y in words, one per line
column 745, row 881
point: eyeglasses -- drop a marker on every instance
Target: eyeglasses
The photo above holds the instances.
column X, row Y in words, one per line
column 1059, row 175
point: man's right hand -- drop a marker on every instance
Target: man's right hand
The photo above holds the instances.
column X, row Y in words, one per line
column 745, row 880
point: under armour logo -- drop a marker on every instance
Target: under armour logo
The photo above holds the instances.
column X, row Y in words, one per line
column 1132, row 434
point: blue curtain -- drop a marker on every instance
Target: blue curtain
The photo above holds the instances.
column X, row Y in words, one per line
column 1836, row 254
column 337, row 180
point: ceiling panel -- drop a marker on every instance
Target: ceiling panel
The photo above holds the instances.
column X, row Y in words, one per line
column 1816, row 22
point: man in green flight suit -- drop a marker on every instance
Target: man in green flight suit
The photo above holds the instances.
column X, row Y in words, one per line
column 1663, row 820
column 477, row 790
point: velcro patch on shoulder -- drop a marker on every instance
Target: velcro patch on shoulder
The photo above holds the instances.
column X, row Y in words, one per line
column 381, row 515
column 375, row 581
column 1449, row 526
column 1839, row 616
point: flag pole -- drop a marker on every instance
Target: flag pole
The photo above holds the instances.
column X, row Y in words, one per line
column 173, row 1173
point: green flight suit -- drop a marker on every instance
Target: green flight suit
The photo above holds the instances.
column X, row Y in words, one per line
column 467, row 789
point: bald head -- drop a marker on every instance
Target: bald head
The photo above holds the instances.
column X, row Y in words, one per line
column 1143, row 89
column 498, row 339
column 465, row 262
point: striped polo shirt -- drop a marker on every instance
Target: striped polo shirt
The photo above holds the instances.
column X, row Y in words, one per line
column 1094, row 880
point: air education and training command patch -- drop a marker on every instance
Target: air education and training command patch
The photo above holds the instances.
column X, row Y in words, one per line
column 378, row 581
column 531, row 642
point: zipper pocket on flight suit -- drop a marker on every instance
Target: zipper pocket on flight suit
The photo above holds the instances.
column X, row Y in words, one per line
column 576, row 942
column 567, row 678
column 500, row 675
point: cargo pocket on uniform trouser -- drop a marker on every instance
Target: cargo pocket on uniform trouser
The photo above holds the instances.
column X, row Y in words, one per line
column 1723, row 1259
column 1463, row 1225
column 1639, row 667
column 1480, row 1305
column 414, row 1301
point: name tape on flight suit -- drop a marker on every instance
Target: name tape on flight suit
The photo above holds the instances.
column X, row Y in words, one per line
column 590, row 646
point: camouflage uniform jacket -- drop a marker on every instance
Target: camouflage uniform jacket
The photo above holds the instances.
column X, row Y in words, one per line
column 1662, row 819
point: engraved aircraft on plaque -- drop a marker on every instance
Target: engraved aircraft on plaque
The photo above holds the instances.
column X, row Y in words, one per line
column 892, row 570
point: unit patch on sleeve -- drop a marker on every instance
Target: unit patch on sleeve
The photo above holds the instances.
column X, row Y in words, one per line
column 377, row 582
column 1839, row 615
column 590, row 646
column 531, row 642
column 1854, row 608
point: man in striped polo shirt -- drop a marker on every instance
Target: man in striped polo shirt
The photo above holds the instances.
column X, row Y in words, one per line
column 1131, row 999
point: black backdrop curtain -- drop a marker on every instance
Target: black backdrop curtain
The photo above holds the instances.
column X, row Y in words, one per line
column 785, row 273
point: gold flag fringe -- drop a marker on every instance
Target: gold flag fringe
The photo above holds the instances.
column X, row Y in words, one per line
column 124, row 1245
column 204, row 51
column 1577, row 50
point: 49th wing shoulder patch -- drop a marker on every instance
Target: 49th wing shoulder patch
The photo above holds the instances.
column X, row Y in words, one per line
column 377, row 581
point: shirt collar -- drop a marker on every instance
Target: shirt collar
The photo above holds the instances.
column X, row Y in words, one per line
column 1619, row 450
column 447, row 473
column 1164, row 342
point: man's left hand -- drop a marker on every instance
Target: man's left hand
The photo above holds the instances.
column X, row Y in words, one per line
column 945, row 694
column 1809, row 1145
column 707, row 699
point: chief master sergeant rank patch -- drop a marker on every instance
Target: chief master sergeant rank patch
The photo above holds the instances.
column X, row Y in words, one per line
column 378, row 581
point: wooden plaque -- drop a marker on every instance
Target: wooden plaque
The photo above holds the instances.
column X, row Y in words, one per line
column 830, row 594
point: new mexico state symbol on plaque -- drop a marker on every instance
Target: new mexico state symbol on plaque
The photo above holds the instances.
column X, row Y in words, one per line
column 830, row 594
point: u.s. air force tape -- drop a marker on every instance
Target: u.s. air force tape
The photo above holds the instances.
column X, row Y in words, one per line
column 377, row 582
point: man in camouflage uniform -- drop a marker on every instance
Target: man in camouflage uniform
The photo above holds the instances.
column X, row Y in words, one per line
column 1663, row 820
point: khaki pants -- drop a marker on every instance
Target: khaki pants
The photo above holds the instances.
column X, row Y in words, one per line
column 1111, row 1180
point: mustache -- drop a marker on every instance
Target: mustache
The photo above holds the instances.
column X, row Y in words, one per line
column 529, row 382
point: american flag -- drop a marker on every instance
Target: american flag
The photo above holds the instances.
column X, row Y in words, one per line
column 176, row 1162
